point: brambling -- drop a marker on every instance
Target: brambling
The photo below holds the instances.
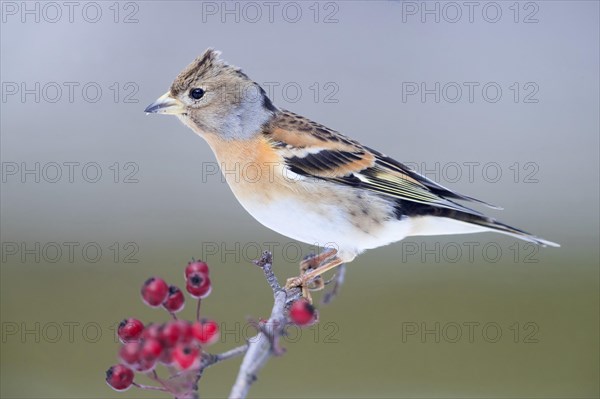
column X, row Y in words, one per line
column 309, row 182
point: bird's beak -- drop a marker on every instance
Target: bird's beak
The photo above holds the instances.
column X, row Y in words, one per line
column 166, row 104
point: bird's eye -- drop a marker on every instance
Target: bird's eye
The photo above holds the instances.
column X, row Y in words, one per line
column 196, row 94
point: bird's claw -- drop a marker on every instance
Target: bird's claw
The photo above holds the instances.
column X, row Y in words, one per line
column 313, row 261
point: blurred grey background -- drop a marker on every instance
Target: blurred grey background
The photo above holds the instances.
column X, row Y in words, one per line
column 96, row 196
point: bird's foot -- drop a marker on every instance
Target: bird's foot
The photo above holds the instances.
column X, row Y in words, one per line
column 298, row 282
column 310, row 277
column 306, row 285
column 313, row 261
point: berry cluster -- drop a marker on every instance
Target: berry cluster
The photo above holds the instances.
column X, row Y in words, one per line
column 176, row 344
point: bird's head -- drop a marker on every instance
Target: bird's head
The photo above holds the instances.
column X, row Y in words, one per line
column 212, row 97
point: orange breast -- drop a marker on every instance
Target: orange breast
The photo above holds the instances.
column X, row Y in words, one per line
column 251, row 167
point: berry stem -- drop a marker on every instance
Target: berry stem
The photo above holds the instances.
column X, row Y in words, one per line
column 149, row 387
column 198, row 309
column 210, row 360
column 154, row 376
column 173, row 316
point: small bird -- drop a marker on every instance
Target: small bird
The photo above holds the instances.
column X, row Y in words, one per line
column 309, row 182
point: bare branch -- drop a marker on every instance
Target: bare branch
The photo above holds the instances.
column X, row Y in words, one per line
column 264, row 344
column 209, row 360
column 266, row 263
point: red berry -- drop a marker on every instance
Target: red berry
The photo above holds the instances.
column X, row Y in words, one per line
column 154, row 291
column 145, row 365
column 175, row 300
column 206, row 332
column 303, row 313
column 186, row 355
column 170, row 333
column 166, row 357
column 196, row 266
column 187, row 331
column 130, row 353
column 151, row 349
column 151, row 331
column 119, row 377
column 198, row 285
column 130, row 330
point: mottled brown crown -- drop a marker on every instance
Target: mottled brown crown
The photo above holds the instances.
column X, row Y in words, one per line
column 208, row 65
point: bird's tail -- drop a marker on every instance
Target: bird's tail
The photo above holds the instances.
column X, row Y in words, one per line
column 491, row 224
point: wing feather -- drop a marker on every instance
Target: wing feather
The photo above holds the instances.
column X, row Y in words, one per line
column 312, row 150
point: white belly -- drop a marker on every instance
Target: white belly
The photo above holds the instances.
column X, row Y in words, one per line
column 325, row 221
